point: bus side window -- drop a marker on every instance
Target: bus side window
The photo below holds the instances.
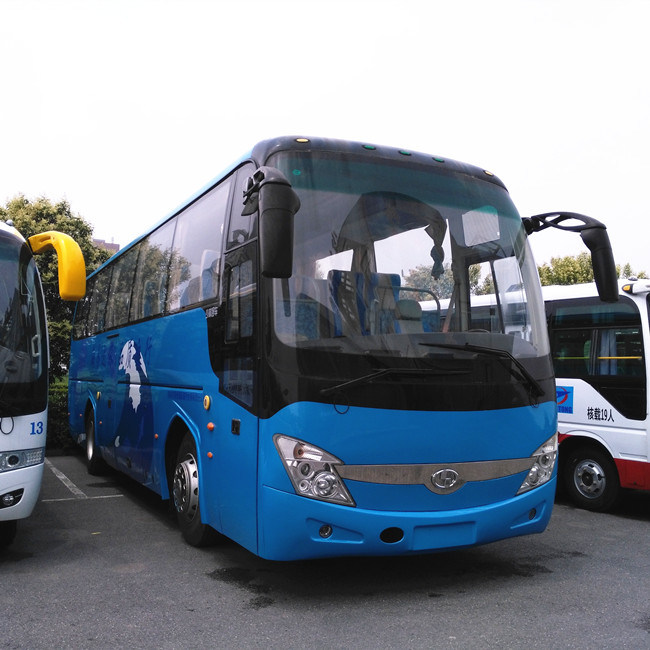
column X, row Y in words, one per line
column 242, row 228
column 97, row 310
column 197, row 242
column 621, row 353
column 241, row 291
column 82, row 315
column 119, row 301
column 150, row 287
column 571, row 352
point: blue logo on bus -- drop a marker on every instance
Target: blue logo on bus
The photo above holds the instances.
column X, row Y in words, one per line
column 564, row 398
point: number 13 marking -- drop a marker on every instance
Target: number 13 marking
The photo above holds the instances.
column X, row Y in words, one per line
column 37, row 428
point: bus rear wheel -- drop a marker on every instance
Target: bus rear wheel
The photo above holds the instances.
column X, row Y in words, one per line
column 591, row 479
column 94, row 461
column 185, row 496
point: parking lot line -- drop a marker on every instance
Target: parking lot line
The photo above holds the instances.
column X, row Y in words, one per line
column 78, row 494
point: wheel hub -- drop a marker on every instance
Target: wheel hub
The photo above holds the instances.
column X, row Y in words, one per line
column 186, row 487
column 589, row 479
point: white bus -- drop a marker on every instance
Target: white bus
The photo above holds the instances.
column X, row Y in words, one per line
column 24, row 365
column 601, row 371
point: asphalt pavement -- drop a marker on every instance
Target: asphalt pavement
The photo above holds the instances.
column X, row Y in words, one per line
column 101, row 564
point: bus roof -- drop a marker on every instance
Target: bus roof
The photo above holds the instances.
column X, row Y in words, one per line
column 260, row 153
column 10, row 231
column 564, row 292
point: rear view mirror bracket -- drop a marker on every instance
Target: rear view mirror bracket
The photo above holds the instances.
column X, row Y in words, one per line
column 594, row 235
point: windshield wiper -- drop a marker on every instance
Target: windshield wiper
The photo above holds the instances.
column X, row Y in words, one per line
column 367, row 379
column 519, row 371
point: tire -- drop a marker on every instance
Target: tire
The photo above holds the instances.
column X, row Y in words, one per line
column 94, row 461
column 590, row 479
column 185, row 497
column 7, row 532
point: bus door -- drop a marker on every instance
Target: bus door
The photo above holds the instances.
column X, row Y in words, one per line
column 236, row 475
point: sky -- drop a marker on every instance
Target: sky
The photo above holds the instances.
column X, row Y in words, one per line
column 125, row 108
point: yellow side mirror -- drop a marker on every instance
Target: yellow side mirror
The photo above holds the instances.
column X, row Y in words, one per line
column 72, row 268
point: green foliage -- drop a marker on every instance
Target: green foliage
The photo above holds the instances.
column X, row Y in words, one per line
column 58, row 436
column 561, row 270
column 576, row 270
column 628, row 272
column 41, row 215
column 420, row 277
column 567, row 270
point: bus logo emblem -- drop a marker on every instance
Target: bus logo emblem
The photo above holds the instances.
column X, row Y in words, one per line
column 445, row 479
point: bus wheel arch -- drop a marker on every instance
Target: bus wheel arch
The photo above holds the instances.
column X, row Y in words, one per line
column 588, row 474
column 181, row 460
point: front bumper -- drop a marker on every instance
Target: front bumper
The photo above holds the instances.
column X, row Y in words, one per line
column 291, row 527
column 27, row 479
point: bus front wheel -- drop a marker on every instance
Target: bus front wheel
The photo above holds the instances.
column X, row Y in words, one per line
column 591, row 479
column 185, row 496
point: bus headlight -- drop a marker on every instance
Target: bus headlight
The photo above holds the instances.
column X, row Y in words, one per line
column 312, row 471
column 542, row 469
column 21, row 458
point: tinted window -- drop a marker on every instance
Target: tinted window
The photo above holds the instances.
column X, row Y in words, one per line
column 602, row 344
column 119, row 301
column 194, row 276
column 98, row 300
column 82, row 313
column 150, row 287
column 241, row 294
column 242, row 228
column 591, row 312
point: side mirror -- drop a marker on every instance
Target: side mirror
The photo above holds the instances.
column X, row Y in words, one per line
column 594, row 235
column 72, row 268
column 269, row 191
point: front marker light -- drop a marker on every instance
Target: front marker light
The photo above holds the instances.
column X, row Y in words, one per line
column 542, row 470
column 312, row 471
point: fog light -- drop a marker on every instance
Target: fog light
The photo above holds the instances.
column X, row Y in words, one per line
column 11, row 498
column 325, row 531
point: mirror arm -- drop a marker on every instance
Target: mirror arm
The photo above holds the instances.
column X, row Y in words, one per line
column 594, row 234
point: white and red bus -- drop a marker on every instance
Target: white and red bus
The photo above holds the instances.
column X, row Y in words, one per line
column 601, row 370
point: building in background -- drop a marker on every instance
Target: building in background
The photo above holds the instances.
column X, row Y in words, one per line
column 113, row 248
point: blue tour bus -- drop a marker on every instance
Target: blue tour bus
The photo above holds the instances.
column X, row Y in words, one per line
column 258, row 358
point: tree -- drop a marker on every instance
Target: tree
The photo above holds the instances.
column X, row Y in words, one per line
column 32, row 217
column 577, row 269
column 420, row 277
column 628, row 272
column 567, row 270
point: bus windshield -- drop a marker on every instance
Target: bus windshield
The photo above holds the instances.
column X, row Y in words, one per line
column 22, row 357
column 390, row 258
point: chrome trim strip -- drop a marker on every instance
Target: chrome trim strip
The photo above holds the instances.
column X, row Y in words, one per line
column 441, row 478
